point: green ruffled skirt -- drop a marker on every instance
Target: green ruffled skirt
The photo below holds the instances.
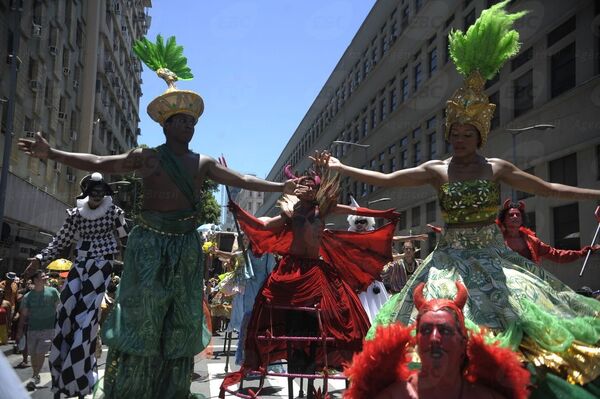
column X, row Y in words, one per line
column 524, row 305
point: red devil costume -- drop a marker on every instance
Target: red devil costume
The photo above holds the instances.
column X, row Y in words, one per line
column 318, row 269
column 534, row 248
column 482, row 370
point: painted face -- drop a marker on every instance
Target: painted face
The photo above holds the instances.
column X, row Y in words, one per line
column 95, row 196
column 360, row 224
column 513, row 218
column 307, row 190
column 180, row 127
column 464, row 139
column 440, row 343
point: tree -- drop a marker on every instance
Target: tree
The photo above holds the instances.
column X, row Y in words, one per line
column 211, row 210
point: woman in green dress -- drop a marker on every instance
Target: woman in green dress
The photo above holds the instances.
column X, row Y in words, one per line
column 521, row 304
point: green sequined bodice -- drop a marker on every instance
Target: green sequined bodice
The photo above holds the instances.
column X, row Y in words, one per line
column 470, row 201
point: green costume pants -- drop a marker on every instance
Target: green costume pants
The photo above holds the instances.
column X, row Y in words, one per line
column 157, row 325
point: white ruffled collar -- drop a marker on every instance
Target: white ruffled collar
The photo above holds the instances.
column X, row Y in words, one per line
column 92, row 214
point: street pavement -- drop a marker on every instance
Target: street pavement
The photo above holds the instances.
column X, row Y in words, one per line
column 208, row 374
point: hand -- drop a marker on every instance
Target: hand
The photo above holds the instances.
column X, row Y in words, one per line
column 595, row 248
column 435, row 229
column 289, row 186
column 38, row 148
column 325, row 160
column 34, row 265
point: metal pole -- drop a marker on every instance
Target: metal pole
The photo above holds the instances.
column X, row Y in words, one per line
column 16, row 19
column 513, row 192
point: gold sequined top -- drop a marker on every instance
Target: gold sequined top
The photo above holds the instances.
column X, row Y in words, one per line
column 469, row 201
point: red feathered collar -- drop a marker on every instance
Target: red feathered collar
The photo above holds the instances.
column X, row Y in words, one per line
column 384, row 361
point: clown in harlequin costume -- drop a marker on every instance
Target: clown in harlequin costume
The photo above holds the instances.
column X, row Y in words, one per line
column 455, row 363
column 157, row 324
column 375, row 295
column 318, row 268
column 525, row 242
column 509, row 295
column 94, row 224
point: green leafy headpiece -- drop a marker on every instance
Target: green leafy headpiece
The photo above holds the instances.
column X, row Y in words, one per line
column 478, row 55
column 167, row 60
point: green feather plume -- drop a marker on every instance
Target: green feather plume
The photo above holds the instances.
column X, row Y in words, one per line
column 488, row 43
column 161, row 55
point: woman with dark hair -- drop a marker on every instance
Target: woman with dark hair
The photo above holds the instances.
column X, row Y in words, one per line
column 511, row 220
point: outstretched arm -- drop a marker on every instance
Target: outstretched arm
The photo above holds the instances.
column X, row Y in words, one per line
column 523, row 181
column 350, row 210
column 223, row 175
column 122, row 163
column 411, row 177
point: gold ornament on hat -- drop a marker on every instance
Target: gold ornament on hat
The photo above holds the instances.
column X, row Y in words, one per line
column 478, row 55
column 167, row 60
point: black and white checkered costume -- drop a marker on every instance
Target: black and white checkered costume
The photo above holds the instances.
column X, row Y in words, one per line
column 95, row 231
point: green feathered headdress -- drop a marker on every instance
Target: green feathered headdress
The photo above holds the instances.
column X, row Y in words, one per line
column 167, row 60
column 488, row 43
column 478, row 55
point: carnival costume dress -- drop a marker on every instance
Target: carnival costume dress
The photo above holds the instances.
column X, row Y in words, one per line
column 328, row 282
column 72, row 361
column 524, row 306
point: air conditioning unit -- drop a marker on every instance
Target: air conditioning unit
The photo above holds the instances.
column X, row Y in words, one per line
column 52, row 50
column 33, row 85
column 73, row 135
column 71, row 178
column 36, row 30
column 57, row 168
column 45, row 189
column 75, row 84
column 62, row 115
column 29, row 134
column 66, row 71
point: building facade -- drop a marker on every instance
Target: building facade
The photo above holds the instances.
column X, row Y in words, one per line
column 79, row 83
column 388, row 91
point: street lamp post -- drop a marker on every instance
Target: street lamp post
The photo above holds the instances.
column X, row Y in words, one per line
column 515, row 132
column 363, row 146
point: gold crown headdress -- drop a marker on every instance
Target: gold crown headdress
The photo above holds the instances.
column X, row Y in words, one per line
column 167, row 60
column 478, row 55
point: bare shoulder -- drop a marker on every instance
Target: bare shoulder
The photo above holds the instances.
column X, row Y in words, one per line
column 205, row 161
column 499, row 166
column 397, row 390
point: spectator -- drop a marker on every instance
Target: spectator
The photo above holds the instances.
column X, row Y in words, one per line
column 39, row 311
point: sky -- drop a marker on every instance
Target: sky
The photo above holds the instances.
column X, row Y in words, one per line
column 258, row 64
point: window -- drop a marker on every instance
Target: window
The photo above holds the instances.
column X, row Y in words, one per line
column 416, row 153
column 562, row 70
column 393, row 99
column 365, row 127
column 495, row 99
column 402, row 220
column 430, row 213
column 431, row 146
column 432, row 61
column 404, row 153
column 4, row 115
column 373, row 118
column 418, row 74
column 521, row 194
column 561, row 31
column 404, row 89
column 415, row 216
column 404, row 21
column 431, row 123
column 392, row 165
column 523, row 93
column 521, row 59
column 418, row 5
column 566, row 226
column 469, row 19
column 564, row 170
column 32, row 72
column 446, row 49
column 382, row 109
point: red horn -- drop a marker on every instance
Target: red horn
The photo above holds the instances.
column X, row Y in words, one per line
column 461, row 295
column 418, row 297
column 506, row 203
column 288, row 172
column 521, row 206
